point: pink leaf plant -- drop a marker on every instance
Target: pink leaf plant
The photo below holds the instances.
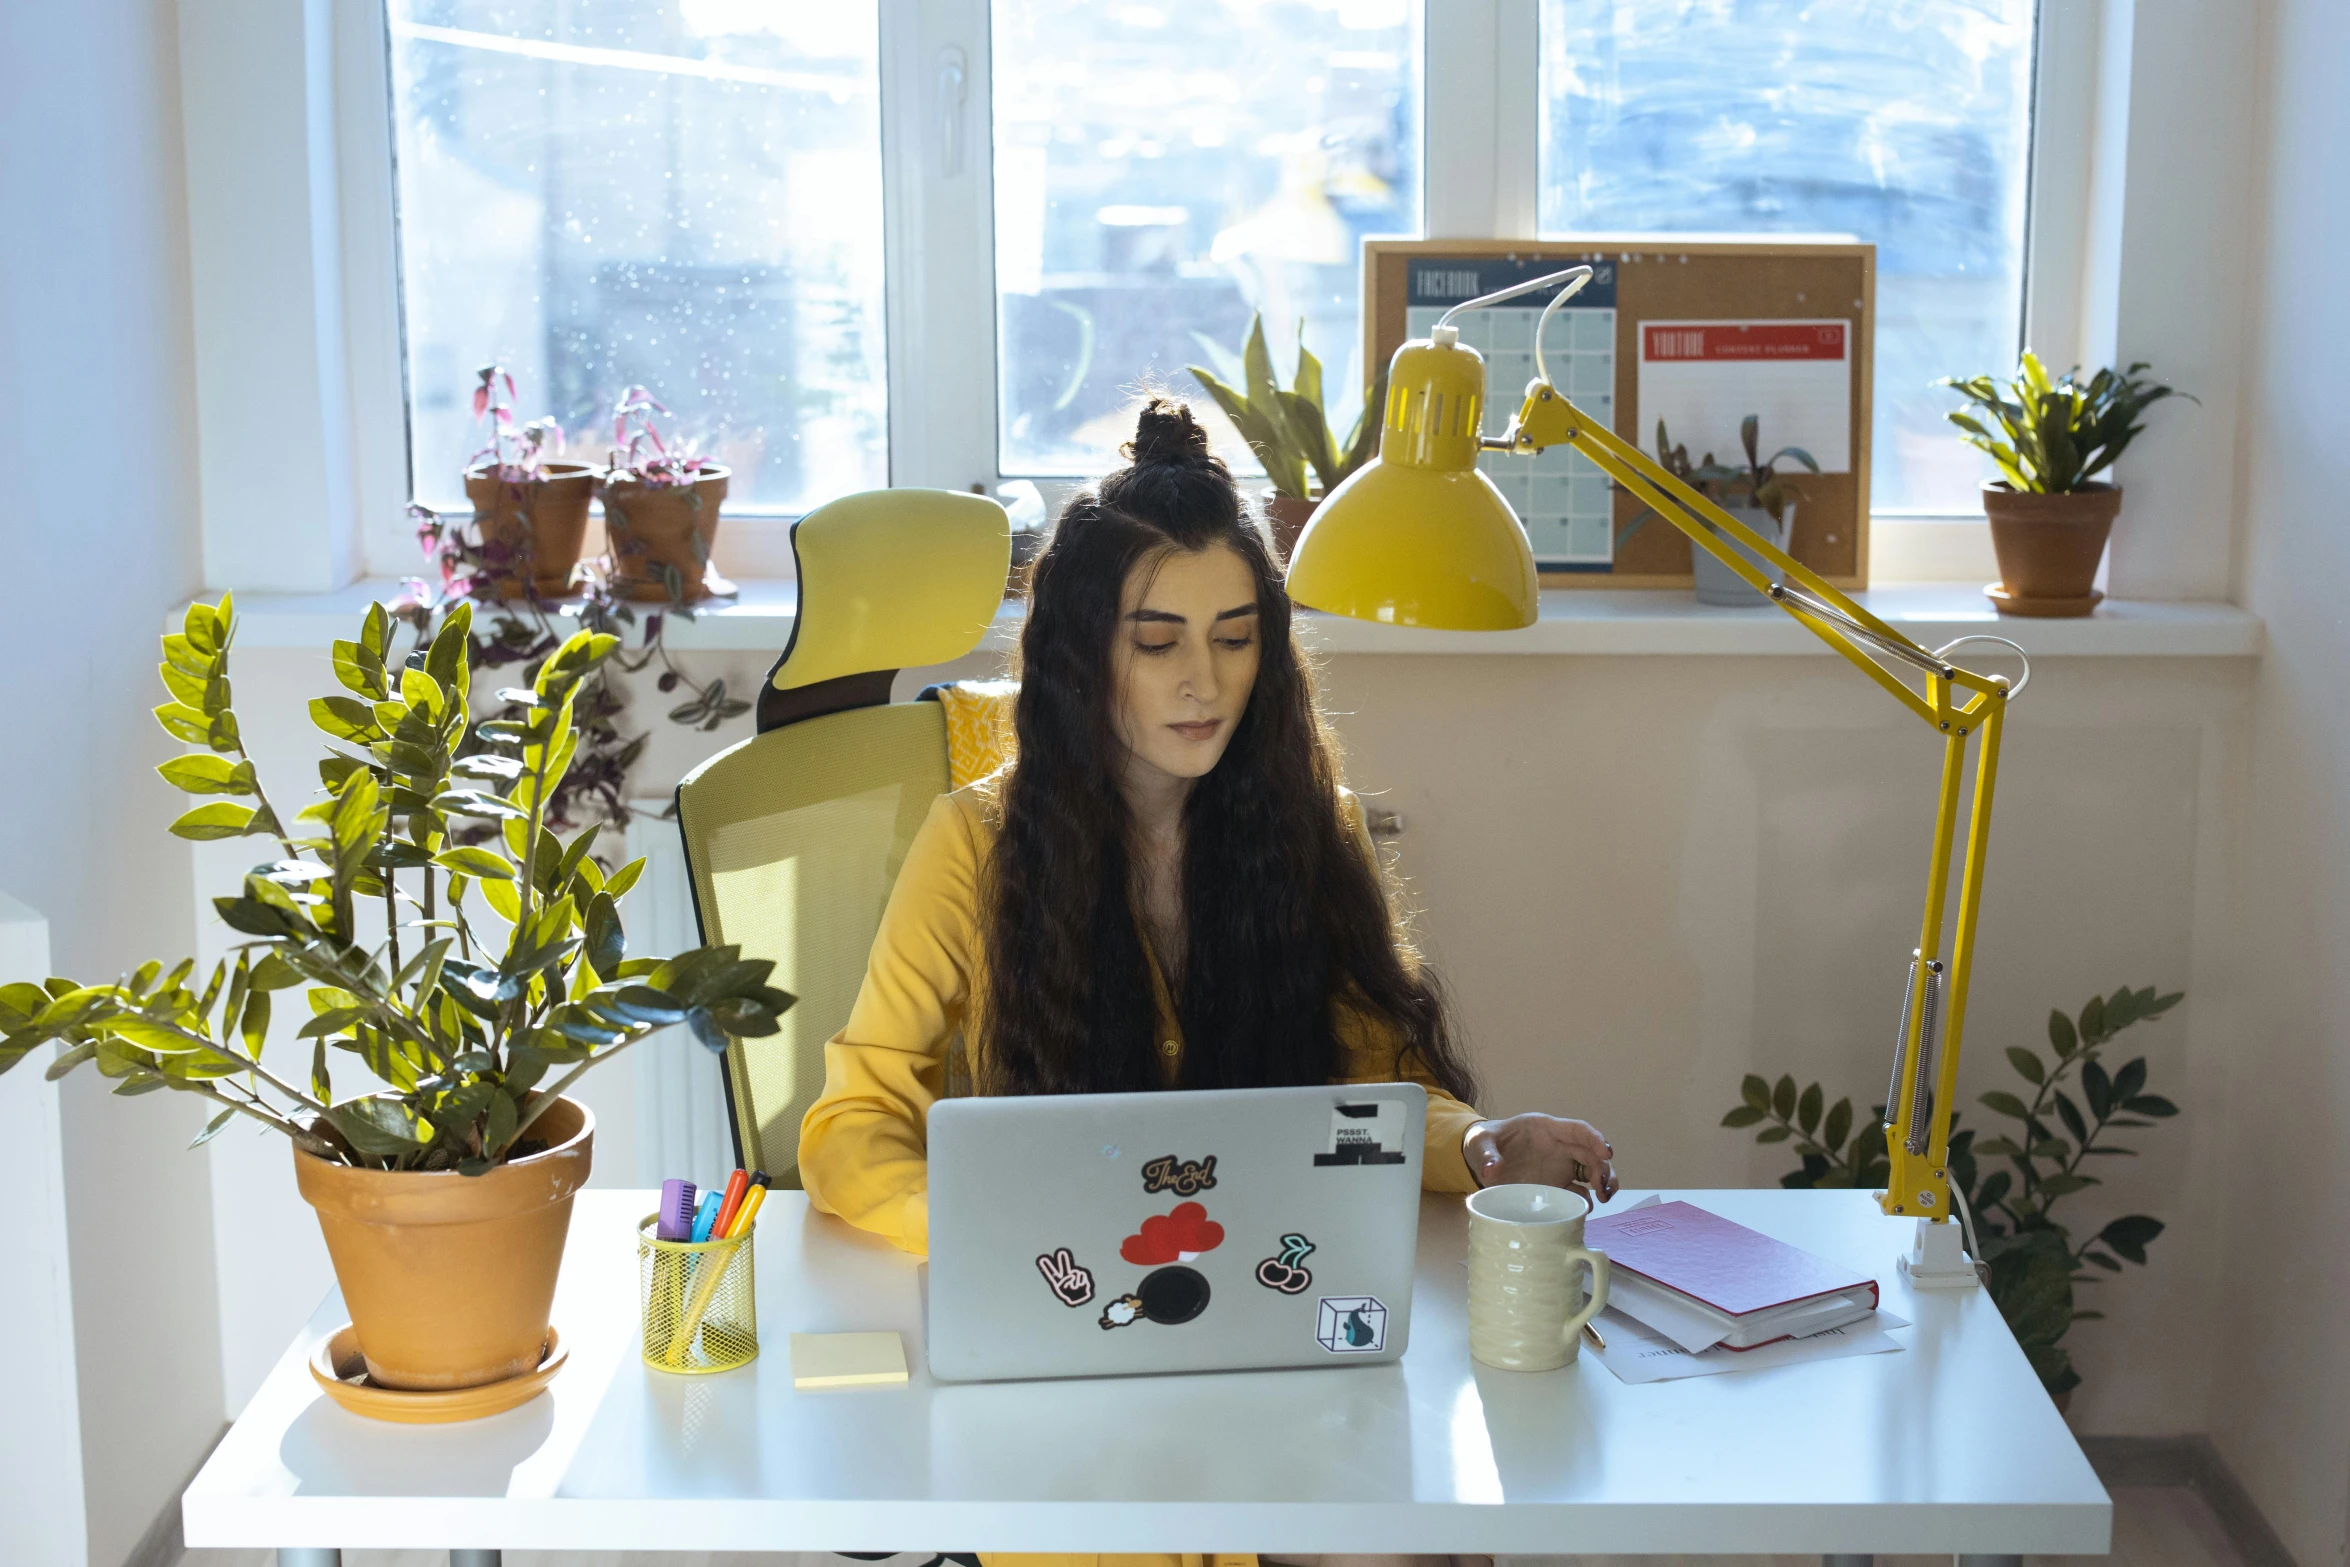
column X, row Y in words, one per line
column 641, row 454
column 517, row 454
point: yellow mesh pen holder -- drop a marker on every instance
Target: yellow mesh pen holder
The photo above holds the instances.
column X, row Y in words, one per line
column 699, row 1310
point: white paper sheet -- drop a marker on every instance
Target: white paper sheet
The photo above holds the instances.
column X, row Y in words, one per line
column 1703, row 377
column 1638, row 1354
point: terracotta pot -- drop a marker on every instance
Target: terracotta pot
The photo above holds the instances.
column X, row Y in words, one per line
column 672, row 525
column 2049, row 546
column 448, row 1277
column 1289, row 517
column 541, row 523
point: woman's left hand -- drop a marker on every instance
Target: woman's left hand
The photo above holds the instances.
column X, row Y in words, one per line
column 1545, row 1150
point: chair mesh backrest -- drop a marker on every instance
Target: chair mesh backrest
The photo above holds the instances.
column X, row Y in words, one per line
column 795, row 839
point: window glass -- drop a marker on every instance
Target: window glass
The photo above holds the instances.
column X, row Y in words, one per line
column 683, row 195
column 1162, row 170
column 1903, row 122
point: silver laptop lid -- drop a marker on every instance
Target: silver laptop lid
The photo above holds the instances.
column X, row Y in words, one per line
column 1100, row 1234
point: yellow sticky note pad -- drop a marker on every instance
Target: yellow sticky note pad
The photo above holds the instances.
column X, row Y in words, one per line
column 846, row 1359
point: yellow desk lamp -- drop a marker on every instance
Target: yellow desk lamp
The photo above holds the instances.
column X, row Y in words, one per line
column 1419, row 537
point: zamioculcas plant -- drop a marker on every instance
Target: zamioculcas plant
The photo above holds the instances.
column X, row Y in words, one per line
column 2011, row 1182
column 474, row 1026
column 1287, row 429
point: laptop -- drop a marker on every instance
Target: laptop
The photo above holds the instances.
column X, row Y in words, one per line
column 1088, row 1235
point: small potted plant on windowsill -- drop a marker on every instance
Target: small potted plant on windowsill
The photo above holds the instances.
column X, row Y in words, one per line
column 2050, row 514
column 531, row 512
column 1757, row 495
column 660, row 510
column 1290, row 433
column 444, row 1194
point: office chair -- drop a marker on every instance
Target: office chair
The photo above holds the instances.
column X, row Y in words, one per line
column 794, row 837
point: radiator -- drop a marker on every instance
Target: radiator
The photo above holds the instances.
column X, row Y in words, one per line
column 682, row 1125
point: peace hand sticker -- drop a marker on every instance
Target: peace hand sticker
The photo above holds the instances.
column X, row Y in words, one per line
column 1071, row 1285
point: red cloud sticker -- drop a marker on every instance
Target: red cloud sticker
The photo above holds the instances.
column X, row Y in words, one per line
column 1173, row 1237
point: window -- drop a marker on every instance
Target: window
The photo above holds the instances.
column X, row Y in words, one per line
column 1906, row 124
column 601, row 194
column 1161, row 171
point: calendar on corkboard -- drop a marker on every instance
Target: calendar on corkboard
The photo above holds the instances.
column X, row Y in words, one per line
column 1699, row 334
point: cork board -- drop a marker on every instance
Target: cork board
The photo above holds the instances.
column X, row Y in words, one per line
column 1581, row 526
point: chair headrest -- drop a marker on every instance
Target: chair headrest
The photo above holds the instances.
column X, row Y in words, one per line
column 893, row 579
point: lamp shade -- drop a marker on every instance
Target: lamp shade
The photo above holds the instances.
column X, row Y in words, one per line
column 1418, row 536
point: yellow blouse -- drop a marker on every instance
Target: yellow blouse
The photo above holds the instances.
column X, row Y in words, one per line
column 861, row 1144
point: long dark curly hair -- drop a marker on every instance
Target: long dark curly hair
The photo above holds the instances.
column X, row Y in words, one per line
column 1286, row 919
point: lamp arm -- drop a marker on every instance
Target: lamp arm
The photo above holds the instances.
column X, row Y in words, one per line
column 1957, row 702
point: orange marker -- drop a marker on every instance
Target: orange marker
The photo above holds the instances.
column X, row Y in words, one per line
column 748, row 1214
column 736, row 1184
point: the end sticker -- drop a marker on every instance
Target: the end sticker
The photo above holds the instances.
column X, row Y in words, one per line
column 1351, row 1324
column 1369, row 1133
column 1184, row 1177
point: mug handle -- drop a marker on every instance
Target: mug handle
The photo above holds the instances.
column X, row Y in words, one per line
column 1597, row 1262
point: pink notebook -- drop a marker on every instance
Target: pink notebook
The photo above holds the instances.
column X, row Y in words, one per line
column 1705, row 1256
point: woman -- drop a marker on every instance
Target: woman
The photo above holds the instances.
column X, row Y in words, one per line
column 1167, row 889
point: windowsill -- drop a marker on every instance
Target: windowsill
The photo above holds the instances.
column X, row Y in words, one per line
column 1577, row 621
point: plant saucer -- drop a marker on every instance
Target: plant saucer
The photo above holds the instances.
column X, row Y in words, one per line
column 2043, row 609
column 337, row 1367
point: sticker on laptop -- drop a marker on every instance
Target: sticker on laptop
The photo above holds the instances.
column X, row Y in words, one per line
column 1071, row 1285
column 1351, row 1324
column 1286, row 1270
column 1369, row 1133
column 1178, row 1236
column 1184, row 1177
column 1167, row 1296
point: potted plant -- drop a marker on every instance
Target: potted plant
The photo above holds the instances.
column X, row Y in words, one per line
column 2049, row 512
column 2035, row 1264
column 1756, row 494
column 1290, row 434
column 531, row 512
column 660, row 509
column 445, row 1193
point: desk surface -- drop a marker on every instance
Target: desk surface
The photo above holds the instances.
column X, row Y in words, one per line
column 1948, row 1446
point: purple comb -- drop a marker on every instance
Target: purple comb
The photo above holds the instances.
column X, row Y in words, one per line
column 676, row 1219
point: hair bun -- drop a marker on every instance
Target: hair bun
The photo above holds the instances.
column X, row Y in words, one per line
column 1165, row 432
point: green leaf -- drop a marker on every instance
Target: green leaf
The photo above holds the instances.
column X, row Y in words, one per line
column 207, row 774
column 2098, row 1088
column 624, row 878
column 2065, row 1185
column 1839, row 1123
column 253, row 1023
column 2027, row 1065
column 2093, row 1030
column 2150, row 1104
column 346, row 718
column 2129, row 1080
column 213, row 1128
column 1783, row 1098
column 2130, row 1234
column 221, row 820
column 1807, row 1110
column 1756, row 1091
column 1774, row 1134
column 381, row 1127
column 2006, row 1104
column 2070, row 1114
column 2061, row 1035
column 607, row 942
column 484, row 865
column 1744, row 1115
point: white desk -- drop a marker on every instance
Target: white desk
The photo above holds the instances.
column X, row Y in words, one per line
column 1949, row 1446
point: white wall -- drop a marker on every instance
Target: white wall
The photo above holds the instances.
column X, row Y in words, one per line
column 2281, row 1405
column 96, row 369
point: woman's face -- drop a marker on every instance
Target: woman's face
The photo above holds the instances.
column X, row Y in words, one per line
column 1185, row 658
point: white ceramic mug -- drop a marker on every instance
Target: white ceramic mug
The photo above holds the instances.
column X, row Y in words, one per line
column 1526, row 1305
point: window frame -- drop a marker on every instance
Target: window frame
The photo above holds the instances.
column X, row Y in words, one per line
column 1480, row 113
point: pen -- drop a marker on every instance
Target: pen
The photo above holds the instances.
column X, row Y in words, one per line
column 748, row 1214
column 736, row 1184
column 1592, row 1333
